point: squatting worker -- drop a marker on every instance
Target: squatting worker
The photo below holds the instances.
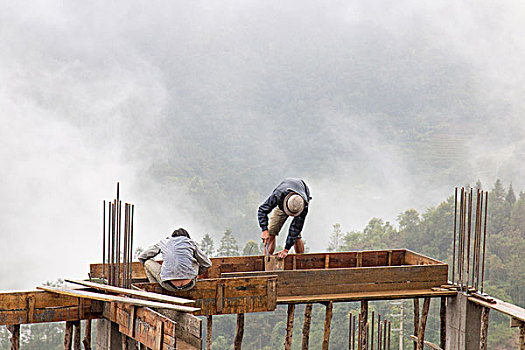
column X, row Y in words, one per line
column 290, row 198
column 182, row 259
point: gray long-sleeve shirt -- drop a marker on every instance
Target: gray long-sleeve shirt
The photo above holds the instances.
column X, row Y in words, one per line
column 182, row 259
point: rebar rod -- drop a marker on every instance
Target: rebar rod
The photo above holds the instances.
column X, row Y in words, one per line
column 384, row 333
column 475, row 248
column 454, row 243
column 461, row 238
column 125, row 253
column 378, row 332
column 468, row 236
column 484, row 239
column 389, row 327
column 350, row 331
column 103, row 238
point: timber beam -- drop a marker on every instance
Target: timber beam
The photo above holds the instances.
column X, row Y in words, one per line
column 39, row 306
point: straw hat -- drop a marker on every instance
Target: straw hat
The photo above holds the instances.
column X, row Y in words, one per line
column 293, row 204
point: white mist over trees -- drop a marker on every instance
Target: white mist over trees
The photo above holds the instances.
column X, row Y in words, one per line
column 200, row 109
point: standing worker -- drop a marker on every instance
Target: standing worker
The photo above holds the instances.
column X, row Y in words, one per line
column 290, row 198
column 182, row 261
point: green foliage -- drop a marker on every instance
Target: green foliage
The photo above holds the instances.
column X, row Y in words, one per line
column 251, row 248
column 207, row 245
column 228, row 245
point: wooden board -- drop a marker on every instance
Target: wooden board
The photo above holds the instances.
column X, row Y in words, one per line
column 113, row 298
column 221, row 296
column 353, row 280
column 502, row 306
column 135, row 293
column 39, row 306
column 385, row 295
column 155, row 330
column 371, row 258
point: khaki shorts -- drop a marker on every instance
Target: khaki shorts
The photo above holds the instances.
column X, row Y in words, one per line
column 276, row 222
column 153, row 268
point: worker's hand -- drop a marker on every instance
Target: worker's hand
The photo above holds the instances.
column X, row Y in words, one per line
column 265, row 236
column 282, row 254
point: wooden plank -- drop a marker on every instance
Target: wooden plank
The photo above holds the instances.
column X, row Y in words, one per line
column 502, row 306
column 188, row 329
column 273, row 263
column 358, row 296
column 151, row 328
column 349, row 280
column 135, row 293
column 239, row 295
column 292, row 261
column 427, row 343
column 40, row 306
column 413, row 258
column 113, row 298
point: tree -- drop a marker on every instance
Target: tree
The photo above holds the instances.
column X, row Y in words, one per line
column 335, row 239
column 228, row 245
column 251, row 248
column 206, row 245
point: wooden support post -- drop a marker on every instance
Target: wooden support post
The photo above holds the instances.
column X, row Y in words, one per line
column 209, row 327
column 416, row 320
column 237, row 345
column 359, row 259
column 76, row 335
column 125, row 344
column 422, row 326
column 443, row 323
column 87, row 336
column 306, row 326
column 327, row 323
column 15, row 336
column 522, row 336
column 289, row 327
column 68, row 334
column 364, row 321
column 327, row 261
column 484, row 328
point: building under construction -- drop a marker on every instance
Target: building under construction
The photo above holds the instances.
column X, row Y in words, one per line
column 132, row 313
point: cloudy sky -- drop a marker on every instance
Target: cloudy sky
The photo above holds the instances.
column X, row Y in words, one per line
column 91, row 94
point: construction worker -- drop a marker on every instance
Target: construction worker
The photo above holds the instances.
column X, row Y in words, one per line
column 182, row 259
column 290, row 198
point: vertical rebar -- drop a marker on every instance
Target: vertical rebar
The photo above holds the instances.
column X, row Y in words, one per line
column 359, row 340
column 103, row 239
column 378, row 332
column 131, row 244
column 461, row 238
column 454, row 243
column 350, row 331
column 468, row 236
column 484, row 239
column 389, row 327
column 384, row 334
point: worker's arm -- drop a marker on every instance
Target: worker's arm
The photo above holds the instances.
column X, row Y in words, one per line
column 149, row 253
column 265, row 209
column 295, row 229
column 202, row 259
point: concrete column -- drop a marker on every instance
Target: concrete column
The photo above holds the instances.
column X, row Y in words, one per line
column 108, row 336
column 463, row 323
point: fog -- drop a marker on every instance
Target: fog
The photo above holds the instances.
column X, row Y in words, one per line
column 199, row 109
